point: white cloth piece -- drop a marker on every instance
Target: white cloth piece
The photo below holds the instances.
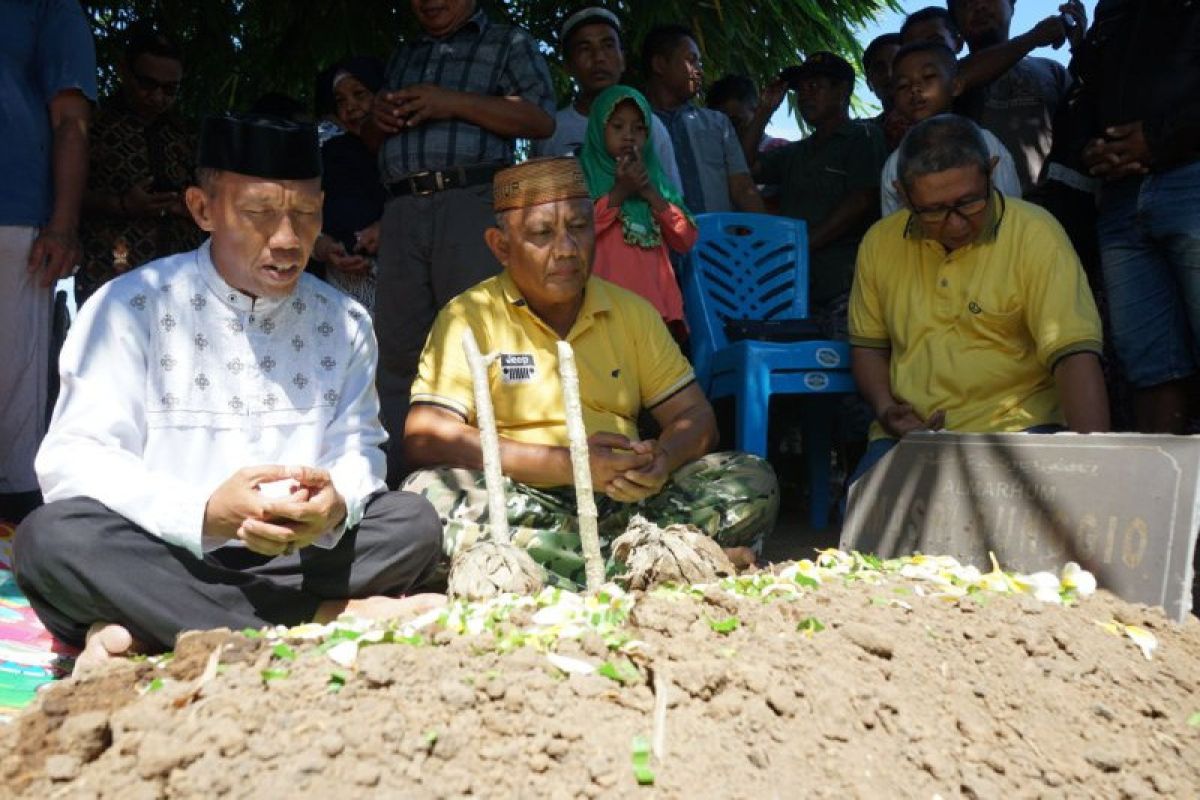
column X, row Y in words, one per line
column 26, row 311
column 570, row 131
column 172, row 380
column 1004, row 176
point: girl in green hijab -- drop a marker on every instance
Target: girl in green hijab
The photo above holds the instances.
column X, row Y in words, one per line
column 639, row 214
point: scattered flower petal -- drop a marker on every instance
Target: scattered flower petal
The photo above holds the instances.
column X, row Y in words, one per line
column 1143, row 638
column 1079, row 580
column 344, row 653
column 571, row 666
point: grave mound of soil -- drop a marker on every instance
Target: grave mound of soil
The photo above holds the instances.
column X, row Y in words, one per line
column 849, row 688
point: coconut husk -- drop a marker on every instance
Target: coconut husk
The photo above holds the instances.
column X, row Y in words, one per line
column 487, row 569
column 678, row 554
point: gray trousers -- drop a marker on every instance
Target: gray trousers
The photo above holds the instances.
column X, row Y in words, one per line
column 431, row 249
column 79, row 563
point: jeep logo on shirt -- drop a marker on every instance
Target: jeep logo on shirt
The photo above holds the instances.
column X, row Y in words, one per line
column 517, row 368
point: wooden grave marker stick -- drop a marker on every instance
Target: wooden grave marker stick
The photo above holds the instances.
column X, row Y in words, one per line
column 585, row 500
column 489, row 440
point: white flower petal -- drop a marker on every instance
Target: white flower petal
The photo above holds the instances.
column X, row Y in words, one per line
column 309, row 630
column 1143, row 638
column 427, row 619
column 995, row 582
column 571, row 666
column 1077, row 578
column 344, row 653
column 552, row 615
column 1047, row 595
column 969, row 574
column 1038, row 580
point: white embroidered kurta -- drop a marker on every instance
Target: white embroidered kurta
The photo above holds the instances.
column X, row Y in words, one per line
column 172, row 380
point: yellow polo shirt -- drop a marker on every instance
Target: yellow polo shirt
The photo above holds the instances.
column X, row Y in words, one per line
column 626, row 359
column 976, row 332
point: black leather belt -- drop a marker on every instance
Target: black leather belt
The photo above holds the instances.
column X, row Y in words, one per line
column 425, row 183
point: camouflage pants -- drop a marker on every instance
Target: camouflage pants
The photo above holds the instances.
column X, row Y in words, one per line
column 733, row 497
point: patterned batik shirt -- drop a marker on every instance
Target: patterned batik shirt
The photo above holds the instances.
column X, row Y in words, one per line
column 124, row 152
column 480, row 57
column 172, row 380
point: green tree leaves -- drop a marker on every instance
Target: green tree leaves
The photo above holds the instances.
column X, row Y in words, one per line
column 237, row 50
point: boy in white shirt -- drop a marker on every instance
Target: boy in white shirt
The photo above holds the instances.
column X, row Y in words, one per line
column 925, row 84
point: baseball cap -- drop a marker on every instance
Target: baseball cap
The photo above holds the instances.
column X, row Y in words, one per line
column 586, row 16
column 820, row 64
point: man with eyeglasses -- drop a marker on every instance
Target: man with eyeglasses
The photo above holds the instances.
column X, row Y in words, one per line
column 970, row 313
column 142, row 158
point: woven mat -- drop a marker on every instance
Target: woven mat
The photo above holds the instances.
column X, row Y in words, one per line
column 29, row 656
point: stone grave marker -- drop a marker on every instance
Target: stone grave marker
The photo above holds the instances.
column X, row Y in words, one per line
column 1124, row 506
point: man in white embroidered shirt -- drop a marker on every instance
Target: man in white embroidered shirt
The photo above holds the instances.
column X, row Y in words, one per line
column 214, row 456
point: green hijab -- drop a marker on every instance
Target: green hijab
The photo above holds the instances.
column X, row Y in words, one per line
column 637, row 221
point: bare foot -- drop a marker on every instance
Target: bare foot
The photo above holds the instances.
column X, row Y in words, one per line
column 742, row 557
column 105, row 641
column 381, row 607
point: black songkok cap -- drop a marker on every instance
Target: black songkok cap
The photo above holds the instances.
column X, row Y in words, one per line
column 260, row 145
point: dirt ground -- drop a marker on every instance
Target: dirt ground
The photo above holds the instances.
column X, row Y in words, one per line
column 850, row 689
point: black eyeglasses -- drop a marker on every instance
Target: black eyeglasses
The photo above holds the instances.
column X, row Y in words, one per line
column 965, row 209
column 150, row 85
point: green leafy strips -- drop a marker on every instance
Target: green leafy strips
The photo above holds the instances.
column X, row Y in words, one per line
column 640, row 757
column 806, row 581
column 275, row 674
column 622, row 672
column 870, row 561
column 553, row 616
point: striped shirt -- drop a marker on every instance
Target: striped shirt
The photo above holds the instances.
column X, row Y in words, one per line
column 480, row 57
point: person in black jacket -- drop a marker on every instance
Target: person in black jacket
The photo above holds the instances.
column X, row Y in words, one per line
column 1137, row 130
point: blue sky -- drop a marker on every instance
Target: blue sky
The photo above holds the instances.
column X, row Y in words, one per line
column 1027, row 13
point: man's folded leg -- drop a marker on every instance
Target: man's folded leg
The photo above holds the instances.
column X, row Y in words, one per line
column 394, row 550
column 543, row 521
column 731, row 496
column 80, row 563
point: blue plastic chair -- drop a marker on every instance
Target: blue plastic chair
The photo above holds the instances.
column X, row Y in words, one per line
column 755, row 267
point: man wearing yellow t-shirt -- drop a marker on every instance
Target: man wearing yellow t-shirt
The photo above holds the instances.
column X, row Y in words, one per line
column 627, row 363
column 969, row 310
